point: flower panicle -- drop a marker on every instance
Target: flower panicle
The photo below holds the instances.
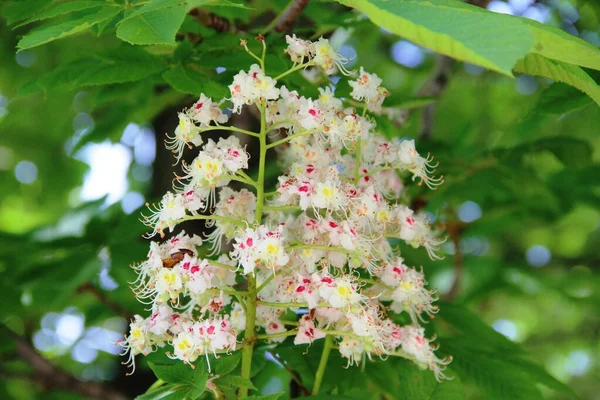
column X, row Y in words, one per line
column 318, row 244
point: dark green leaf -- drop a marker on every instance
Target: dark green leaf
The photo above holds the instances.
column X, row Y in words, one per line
column 152, row 27
column 447, row 27
column 53, row 31
column 559, row 71
column 234, row 381
column 274, row 396
column 193, row 379
column 63, row 8
column 15, row 11
column 187, row 80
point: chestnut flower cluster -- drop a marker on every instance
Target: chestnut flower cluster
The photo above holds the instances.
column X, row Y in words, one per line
column 311, row 259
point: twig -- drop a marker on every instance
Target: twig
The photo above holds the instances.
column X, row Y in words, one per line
column 434, row 87
column 455, row 231
column 293, row 373
column 211, row 20
column 102, row 298
column 284, row 21
column 51, row 376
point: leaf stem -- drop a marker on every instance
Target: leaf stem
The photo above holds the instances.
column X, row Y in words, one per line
column 266, row 282
column 318, row 247
column 292, row 332
column 229, row 128
column 291, row 137
column 282, row 208
column 251, row 303
column 211, row 218
column 322, row 364
column 294, row 69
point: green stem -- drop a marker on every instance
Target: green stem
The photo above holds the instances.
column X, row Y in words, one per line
column 250, row 331
column 250, row 334
column 156, row 385
column 293, row 332
column 229, row 128
column 280, row 124
column 265, row 283
column 283, row 208
column 246, row 176
column 357, row 167
column 232, row 292
column 294, row 69
column 322, row 364
column 288, row 138
column 317, row 247
column 289, row 305
column 358, row 154
column 240, row 179
column 221, row 265
column 211, row 218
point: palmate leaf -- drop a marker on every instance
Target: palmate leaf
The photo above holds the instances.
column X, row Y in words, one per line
column 153, row 27
column 498, row 42
column 158, row 21
column 190, row 81
column 572, row 75
column 497, row 366
column 53, row 31
column 124, row 64
column 453, row 28
column 402, row 379
column 63, row 8
column 16, row 11
column 190, row 381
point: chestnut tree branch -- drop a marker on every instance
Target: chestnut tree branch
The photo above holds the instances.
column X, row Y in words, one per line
column 52, row 377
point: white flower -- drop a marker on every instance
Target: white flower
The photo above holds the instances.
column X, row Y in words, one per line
column 185, row 133
column 204, row 112
column 308, row 332
column 352, row 349
column 297, row 49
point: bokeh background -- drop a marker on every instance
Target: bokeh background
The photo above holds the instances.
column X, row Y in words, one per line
column 521, row 199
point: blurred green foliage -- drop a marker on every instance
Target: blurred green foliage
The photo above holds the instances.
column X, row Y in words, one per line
column 520, row 160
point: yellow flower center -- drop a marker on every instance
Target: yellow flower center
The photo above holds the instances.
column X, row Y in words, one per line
column 344, row 290
column 272, row 248
column 184, row 344
column 169, row 278
column 327, row 191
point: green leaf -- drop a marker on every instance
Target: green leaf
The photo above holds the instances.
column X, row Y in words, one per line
column 187, row 80
column 572, row 152
column 19, row 10
column 158, row 5
column 63, row 8
column 560, row 72
column 489, row 371
column 194, row 379
column 453, row 28
column 402, row 379
column 466, row 321
column 274, row 396
column 124, row 64
column 165, row 392
column 152, row 27
column 234, row 381
column 498, row 42
column 556, row 44
column 225, row 364
column 560, row 99
column 50, row 32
